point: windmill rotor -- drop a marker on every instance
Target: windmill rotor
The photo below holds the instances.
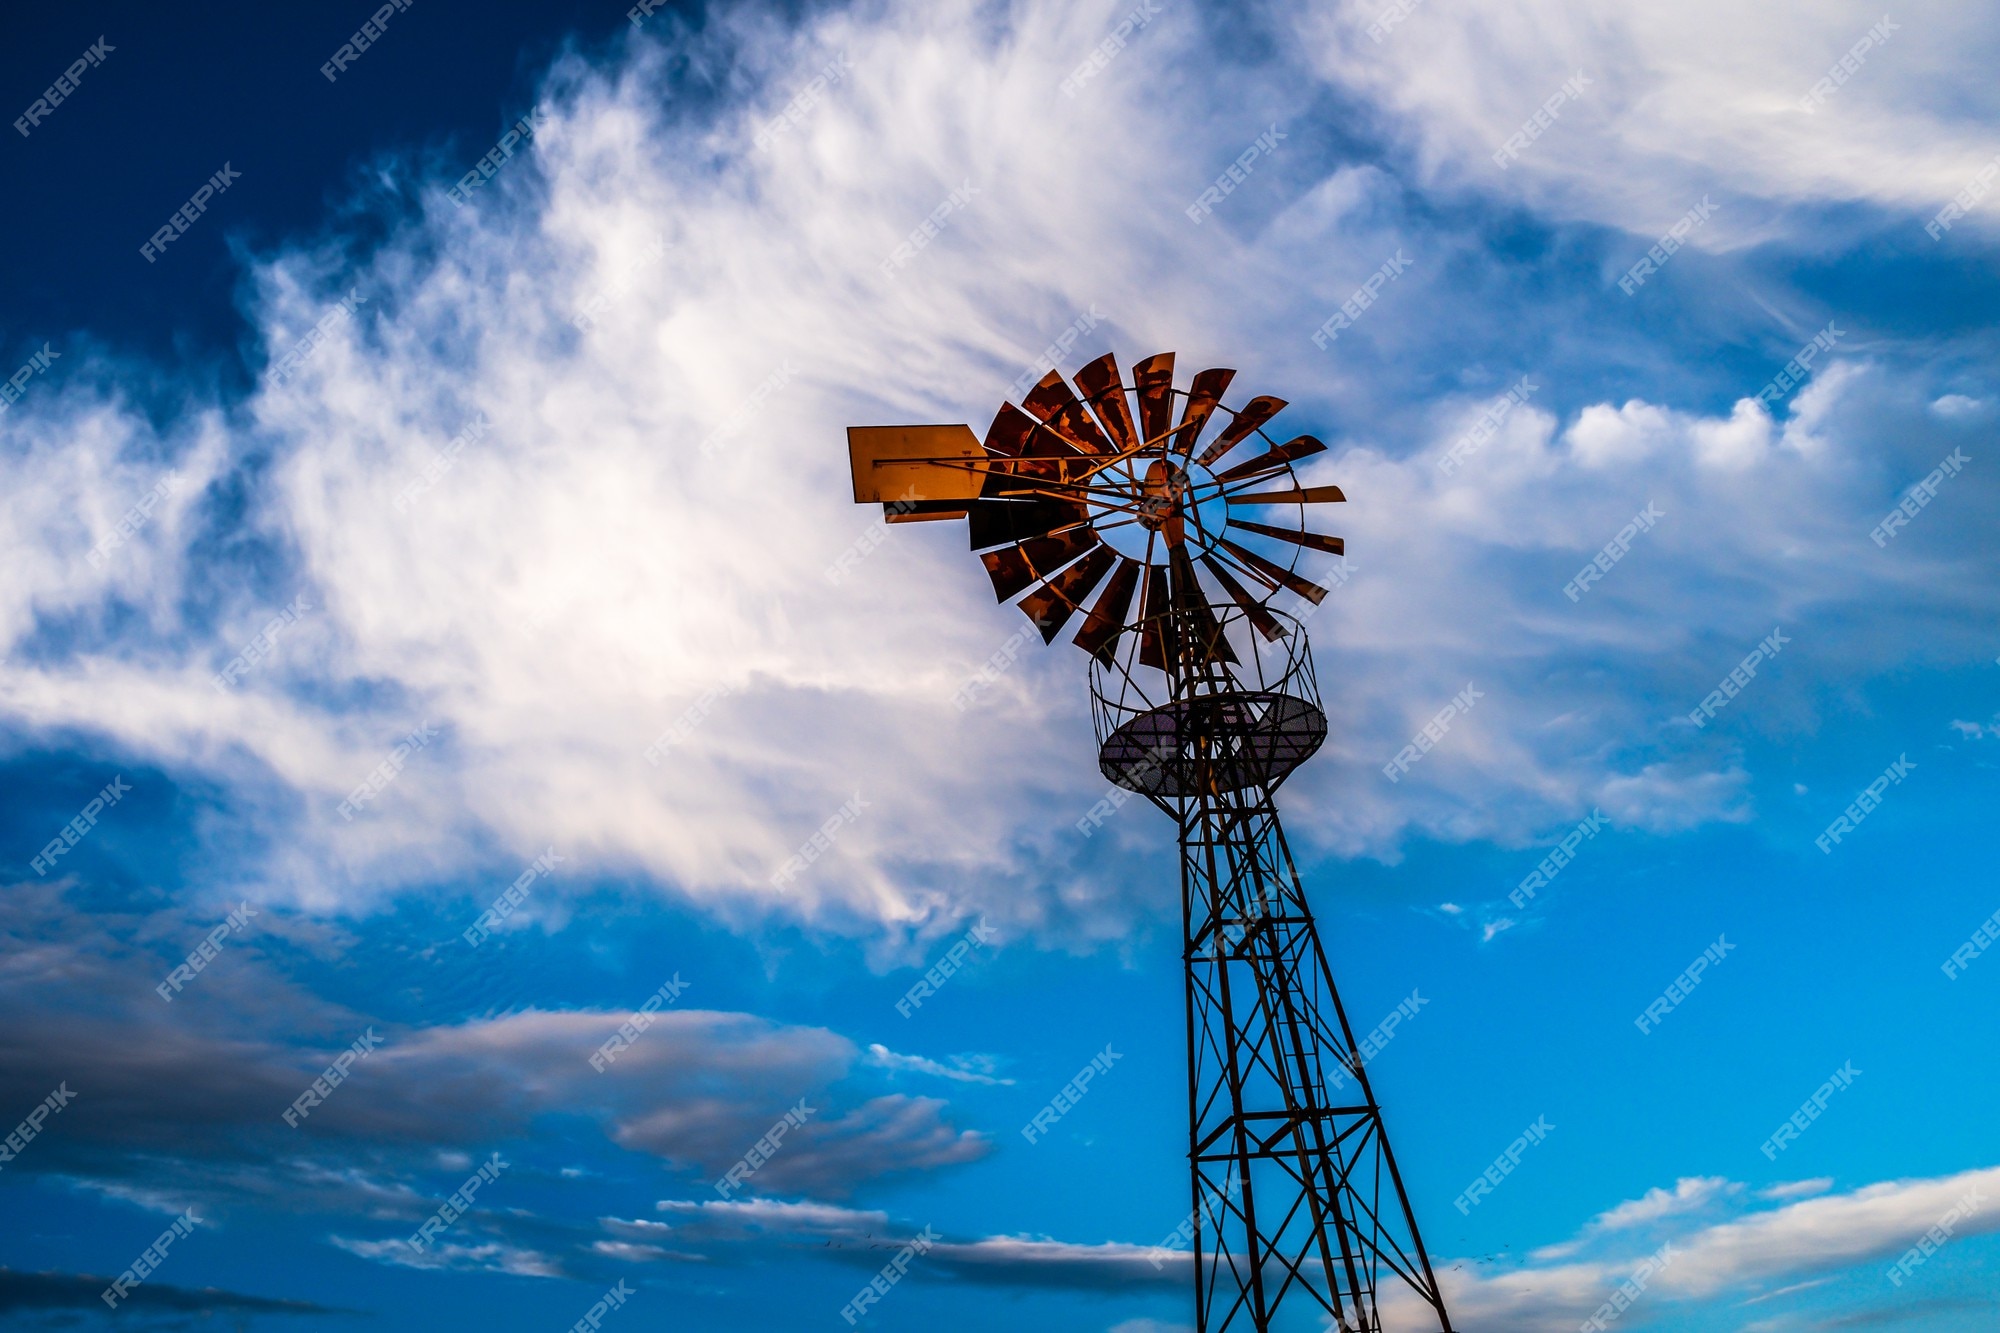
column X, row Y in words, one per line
column 1085, row 510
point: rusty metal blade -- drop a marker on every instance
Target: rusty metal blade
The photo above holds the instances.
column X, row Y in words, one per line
column 1272, row 459
column 1104, row 391
column 1051, row 606
column 1310, row 495
column 1055, row 403
column 1278, row 575
column 1254, row 414
column 996, row 522
column 1153, row 380
column 1009, row 432
column 923, row 511
column 1312, row 541
column 1013, row 568
column 1203, row 395
column 1266, row 624
column 1155, row 620
column 1106, row 621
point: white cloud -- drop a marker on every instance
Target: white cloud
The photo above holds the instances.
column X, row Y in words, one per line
column 584, row 577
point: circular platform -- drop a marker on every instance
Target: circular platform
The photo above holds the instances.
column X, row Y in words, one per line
column 1213, row 743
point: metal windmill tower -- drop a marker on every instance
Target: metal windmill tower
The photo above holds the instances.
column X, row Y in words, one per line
column 1204, row 706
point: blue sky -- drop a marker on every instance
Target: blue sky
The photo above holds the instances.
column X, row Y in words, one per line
column 561, row 475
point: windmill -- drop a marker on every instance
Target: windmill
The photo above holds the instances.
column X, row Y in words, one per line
column 1175, row 553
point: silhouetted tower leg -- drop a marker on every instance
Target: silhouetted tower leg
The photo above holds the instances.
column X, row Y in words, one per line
column 1297, row 1199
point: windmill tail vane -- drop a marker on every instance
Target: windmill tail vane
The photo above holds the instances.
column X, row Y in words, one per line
column 1173, row 540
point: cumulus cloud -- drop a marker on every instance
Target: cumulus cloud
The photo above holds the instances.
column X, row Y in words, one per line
column 658, row 327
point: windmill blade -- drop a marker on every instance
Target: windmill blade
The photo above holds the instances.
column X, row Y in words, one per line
column 1310, row 495
column 1009, row 432
column 1051, row 605
column 1312, row 541
column 1272, row 459
column 1153, row 380
column 1266, row 624
column 1053, row 401
column 1155, row 621
column 1104, row 392
column 1013, row 568
column 1106, row 621
column 1276, row 575
column 1254, row 414
column 1203, row 395
column 999, row 522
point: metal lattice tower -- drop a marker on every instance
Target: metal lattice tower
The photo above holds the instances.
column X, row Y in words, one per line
column 1204, row 706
